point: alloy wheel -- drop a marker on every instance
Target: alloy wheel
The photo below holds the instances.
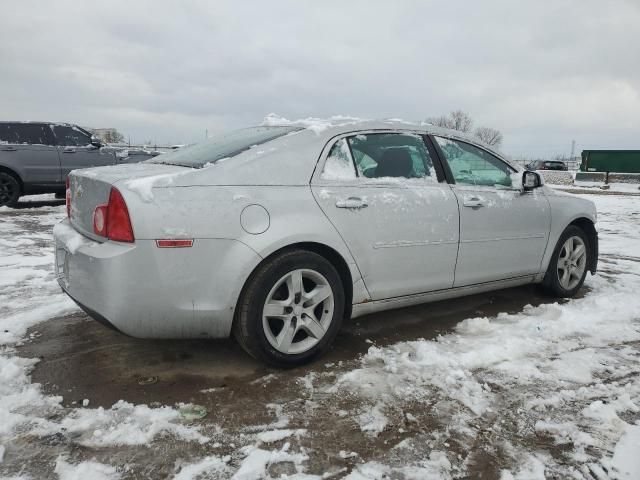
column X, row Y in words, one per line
column 298, row 311
column 572, row 262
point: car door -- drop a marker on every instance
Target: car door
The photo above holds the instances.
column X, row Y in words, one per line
column 385, row 194
column 28, row 149
column 76, row 150
column 503, row 229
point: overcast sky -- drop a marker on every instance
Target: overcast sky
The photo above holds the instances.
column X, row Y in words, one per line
column 542, row 72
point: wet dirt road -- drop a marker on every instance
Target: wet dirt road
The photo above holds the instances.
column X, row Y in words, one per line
column 81, row 359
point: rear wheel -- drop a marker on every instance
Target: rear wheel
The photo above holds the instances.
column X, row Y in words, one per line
column 291, row 310
column 568, row 266
column 9, row 190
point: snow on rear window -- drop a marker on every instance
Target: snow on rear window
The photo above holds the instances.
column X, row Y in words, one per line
column 222, row 146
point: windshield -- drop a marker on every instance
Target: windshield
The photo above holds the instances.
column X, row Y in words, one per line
column 222, row 146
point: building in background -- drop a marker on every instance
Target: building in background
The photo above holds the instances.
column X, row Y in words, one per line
column 108, row 135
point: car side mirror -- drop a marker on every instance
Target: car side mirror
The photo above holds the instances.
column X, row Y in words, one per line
column 531, row 180
column 96, row 142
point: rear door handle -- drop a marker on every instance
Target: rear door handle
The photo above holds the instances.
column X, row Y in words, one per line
column 352, row 202
column 69, row 150
column 473, row 202
column 8, row 149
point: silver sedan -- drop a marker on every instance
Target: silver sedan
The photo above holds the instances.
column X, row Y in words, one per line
column 275, row 234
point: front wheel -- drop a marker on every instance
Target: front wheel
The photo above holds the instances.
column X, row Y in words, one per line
column 291, row 309
column 568, row 266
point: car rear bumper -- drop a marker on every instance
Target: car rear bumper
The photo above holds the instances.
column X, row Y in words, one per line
column 149, row 292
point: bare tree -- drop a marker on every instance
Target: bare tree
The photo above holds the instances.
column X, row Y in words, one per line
column 461, row 121
column 113, row 136
column 441, row 121
column 489, row 135
column 456, row 120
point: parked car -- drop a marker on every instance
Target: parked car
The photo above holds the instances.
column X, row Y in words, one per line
column 36, row 157
column 276, row 234
column 547, row 165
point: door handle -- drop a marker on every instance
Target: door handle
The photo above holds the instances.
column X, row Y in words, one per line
column 473, row 202
column 9, row 149
column 352, row 203
column 69, row 150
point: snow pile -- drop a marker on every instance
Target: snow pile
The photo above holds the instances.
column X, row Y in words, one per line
column 435, row 467
column 143, row 186
column 316, row 125
column 257, row 461
column 208, row 465
column 122, row 424
column 625, row 457
column 85, row 470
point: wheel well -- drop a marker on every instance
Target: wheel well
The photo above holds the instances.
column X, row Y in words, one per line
column 14, row 175
column 329, row 254
column 589, row 228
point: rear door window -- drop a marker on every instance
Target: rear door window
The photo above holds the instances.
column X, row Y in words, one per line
column 392, row 155
column 26, row 134
column 71, row 136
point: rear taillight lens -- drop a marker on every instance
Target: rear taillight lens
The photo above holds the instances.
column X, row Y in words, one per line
column 67, row 198
column 112, row 220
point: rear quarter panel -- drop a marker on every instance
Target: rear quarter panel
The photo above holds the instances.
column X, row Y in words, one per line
column 215, row 212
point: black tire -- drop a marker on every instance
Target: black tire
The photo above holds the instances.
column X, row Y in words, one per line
column 248, row 324
column 9, row 190
column 551, row 284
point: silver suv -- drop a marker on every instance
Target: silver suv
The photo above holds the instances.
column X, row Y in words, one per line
column 36, row 157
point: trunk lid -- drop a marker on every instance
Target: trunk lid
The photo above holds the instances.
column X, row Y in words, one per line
column 90, row 187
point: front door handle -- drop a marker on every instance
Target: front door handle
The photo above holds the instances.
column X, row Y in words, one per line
column 352, row 203
column 473, row 202
column 69, row 150
column 8, row 149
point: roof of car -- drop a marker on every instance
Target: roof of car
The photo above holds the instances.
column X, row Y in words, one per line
column 329, row 128
column 39, row 122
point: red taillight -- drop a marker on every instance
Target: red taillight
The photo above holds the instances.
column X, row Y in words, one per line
column 112, row 220
column 67, row 197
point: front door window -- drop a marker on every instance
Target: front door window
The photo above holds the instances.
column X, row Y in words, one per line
column 471, row 165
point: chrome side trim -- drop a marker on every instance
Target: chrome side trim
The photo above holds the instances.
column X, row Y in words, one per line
column 419, row 298
column 522, row 237
column 407, row 243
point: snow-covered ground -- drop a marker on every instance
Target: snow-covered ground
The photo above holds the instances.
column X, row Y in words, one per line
column 546, row 391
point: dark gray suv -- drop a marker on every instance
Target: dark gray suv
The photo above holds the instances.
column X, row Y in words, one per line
column 36, row 157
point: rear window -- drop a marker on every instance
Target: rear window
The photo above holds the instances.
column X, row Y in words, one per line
column 25, row 133
column 222, row 146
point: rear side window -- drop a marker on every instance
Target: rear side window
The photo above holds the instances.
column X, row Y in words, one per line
column 71, row 136
column 382, row 155
column 222, row 146
column 25, row 133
